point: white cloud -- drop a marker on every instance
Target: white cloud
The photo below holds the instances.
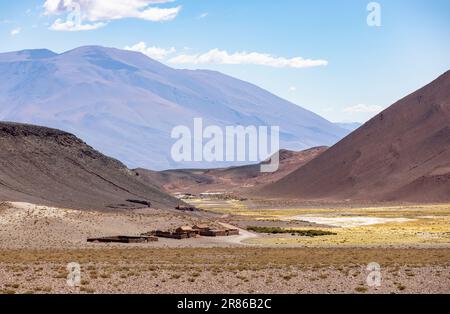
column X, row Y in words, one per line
column 359, row 113
column 362, row 108
column 98, row 12
column 60, row 25
column 217, row 56
column 203, row 15
column 153, row 52
column 293, row 89
column 16, row 31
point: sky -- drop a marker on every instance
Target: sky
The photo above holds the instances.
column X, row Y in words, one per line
column 344, row 59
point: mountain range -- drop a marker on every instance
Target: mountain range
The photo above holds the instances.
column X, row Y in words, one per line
column 125, row 104
column 402, row 154
column 50, row 167
column 226, row 180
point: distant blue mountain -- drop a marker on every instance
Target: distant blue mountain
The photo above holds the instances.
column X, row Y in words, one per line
column 350, row 126
column 126, row 104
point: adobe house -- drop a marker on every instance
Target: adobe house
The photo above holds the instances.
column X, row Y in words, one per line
column 207, row 231
column 171, row 235
column 186, row 208
column 189, row 230
column 232, row 232
column 123, row 239
column 185, row 232
column 213, row 233
column 180, row 233
column 201, row 227
column 184, row 229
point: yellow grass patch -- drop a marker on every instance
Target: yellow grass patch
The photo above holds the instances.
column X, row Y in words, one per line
column 426, row 224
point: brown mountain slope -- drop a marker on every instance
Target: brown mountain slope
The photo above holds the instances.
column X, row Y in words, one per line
column 228, row 179
column 50, row 167
column 401, row 154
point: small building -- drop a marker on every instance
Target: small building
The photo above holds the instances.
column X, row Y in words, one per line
column 213, row 233
column 185, row 229
column 123, row 239
column 185, row 232
column 201, row 227
column 171, row 235
column 186, row 208
column 232, row 232
column 189, row 230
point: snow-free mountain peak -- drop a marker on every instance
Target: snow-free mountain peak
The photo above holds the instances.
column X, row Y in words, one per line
column 126, row 104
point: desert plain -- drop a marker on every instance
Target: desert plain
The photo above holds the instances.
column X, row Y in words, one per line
column 410, row 244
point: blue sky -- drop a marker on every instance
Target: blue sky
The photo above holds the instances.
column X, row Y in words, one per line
column 348, row 72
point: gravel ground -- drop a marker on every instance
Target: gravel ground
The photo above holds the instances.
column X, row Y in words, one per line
column 27, row 226
column 37, row 243
column 135, row 277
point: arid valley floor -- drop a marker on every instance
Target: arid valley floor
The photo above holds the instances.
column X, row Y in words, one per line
column 386, row 230
column 411, row 243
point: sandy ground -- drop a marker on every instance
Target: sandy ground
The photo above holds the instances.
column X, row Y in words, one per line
column 38, row 242
column 27, row 226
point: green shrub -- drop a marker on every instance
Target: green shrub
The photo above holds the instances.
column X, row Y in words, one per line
column 278, row 230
